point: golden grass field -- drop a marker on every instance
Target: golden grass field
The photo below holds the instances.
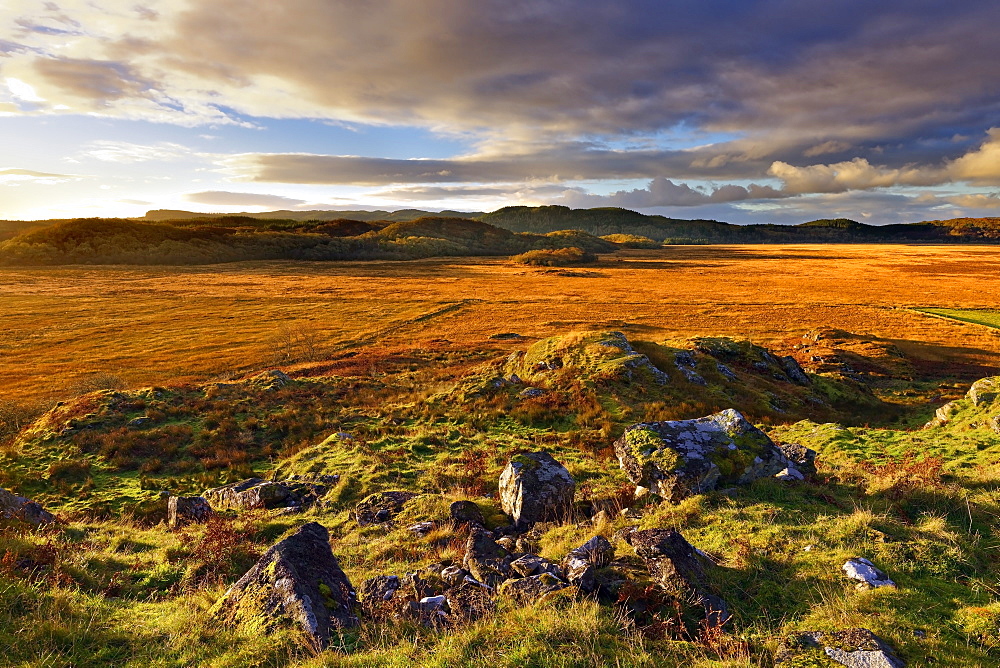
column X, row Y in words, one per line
column 161, row 324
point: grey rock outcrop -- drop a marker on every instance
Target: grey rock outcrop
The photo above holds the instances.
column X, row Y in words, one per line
column 485, row 559
column 984, row 390
column 184, row 510
column 794, row 372
column 258, row 493
column 297, row 581
column 534, row 487
column 380, row 507
column 14, row 508
column 679, row 569
column 854, row 648
column 679, row 458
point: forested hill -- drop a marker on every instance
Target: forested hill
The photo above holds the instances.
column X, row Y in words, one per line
column 604, row 221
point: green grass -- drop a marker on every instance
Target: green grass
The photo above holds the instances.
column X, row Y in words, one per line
column 985, row 317
column 113, row 585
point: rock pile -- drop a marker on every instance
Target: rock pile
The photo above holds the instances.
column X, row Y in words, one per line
column 294, row 493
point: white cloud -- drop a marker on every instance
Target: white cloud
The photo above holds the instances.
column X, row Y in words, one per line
column 126, row 152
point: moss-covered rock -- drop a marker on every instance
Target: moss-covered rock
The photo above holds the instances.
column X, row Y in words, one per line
column 678, row 458
column 297, row 582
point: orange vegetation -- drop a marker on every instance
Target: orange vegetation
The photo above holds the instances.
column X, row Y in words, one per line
column 63, row 325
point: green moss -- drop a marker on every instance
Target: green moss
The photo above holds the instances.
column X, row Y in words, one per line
column 327, row 594
column 648, row 448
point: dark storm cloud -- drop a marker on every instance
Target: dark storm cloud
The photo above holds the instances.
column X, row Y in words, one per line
column 850, row 71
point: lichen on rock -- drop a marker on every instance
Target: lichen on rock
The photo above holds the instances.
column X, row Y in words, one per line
column 678, row 458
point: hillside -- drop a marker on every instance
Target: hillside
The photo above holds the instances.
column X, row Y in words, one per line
column 236, row 238
column 404, row 471
column 400, row 215
column 606, row 221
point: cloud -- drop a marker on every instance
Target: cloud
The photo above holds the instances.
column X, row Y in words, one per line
column 559, row 68
column 94, row 81
column 663, row 192
column 224, row 198
column 18, row 176
column 127, row 152
column 765, row 100
column 980, row 166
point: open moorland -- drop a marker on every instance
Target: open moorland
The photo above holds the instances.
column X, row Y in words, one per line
column 428, row 379
column 64, row 325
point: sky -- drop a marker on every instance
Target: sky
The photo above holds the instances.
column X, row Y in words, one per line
column 748, row 111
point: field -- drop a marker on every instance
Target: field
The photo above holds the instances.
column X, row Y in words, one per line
column 984, row 317
column 400, row 382
column 64, row 326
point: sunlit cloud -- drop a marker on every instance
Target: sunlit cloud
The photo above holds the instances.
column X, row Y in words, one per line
column 126, row 152
column 19, row 176
column 224, row 198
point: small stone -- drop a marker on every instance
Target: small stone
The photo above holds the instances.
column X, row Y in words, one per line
column 22, row 509
column 378, row 589
column 508, row 544
column 529, row 589
column 869, row 577
column 527, row 565
column 139, row 422
column 431, row 603
column 452, row 575
column 421, row 528
column 380, row 507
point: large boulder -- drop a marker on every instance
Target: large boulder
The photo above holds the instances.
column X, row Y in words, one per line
column 680, row 570
column 183, row 510
column 534, row 487
column 380, row 507
column 485, row 559
column 14, row 508
column 855, row 648
column 298, row 581
column 258, row 493
column 682, row 457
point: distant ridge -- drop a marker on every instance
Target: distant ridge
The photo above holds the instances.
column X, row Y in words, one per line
column 605, row 221
column 403, row 215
